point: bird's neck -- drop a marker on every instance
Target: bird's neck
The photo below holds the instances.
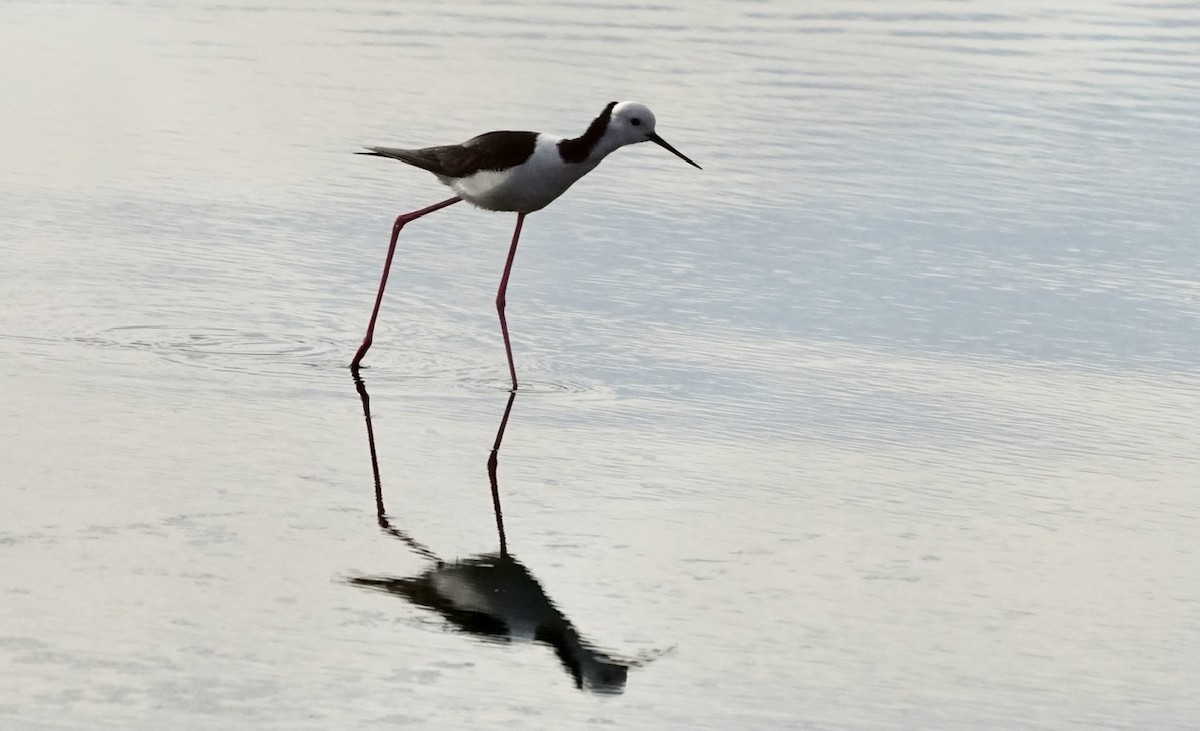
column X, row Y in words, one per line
column 589, row 146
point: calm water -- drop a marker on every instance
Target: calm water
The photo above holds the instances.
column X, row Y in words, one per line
column 886, row 419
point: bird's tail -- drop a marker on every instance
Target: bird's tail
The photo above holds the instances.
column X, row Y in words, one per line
column 423, row 159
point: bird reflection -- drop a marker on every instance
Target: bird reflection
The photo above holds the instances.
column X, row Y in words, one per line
column 492, row 595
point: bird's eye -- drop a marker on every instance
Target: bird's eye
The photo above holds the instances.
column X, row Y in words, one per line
column 635, row 122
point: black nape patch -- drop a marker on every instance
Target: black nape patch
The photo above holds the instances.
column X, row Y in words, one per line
column 578, row 149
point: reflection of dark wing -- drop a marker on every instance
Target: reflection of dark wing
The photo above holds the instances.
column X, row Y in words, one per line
column 490, row 151
column 495, row 596
column 420, row 592
column 483, row 595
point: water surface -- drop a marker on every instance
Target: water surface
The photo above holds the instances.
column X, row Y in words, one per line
column 886, row 419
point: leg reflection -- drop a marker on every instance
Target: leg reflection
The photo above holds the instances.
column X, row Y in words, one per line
column 491, row 595
column 493, row 461
column 380, row 512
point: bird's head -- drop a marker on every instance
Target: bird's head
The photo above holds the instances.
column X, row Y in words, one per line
column 632, row 122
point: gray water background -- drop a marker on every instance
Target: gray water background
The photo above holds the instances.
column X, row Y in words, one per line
column 886, row 419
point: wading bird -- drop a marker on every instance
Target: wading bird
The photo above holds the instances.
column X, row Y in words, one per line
column 521, row 172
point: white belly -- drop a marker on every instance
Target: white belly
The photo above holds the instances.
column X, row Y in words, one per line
column 526, row 188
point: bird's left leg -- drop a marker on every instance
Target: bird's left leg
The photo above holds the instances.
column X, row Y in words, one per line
column 387, row 265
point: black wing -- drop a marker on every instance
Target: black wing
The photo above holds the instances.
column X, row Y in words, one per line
column 489, row 151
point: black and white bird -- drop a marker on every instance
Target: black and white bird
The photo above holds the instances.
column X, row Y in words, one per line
column 520, row 172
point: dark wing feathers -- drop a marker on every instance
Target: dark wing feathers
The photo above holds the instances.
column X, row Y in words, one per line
column 489, row 151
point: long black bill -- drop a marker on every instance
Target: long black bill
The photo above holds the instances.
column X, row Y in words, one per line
column 653, row 137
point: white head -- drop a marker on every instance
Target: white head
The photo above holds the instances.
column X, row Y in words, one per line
column 632, row 122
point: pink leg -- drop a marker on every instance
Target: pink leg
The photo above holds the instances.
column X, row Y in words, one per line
column 512, row 253
column 387, row 265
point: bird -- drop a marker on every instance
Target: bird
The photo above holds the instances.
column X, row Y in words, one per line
column 517, row 172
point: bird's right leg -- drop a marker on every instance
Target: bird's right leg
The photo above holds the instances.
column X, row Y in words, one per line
column 500, row 298
column 387, row 265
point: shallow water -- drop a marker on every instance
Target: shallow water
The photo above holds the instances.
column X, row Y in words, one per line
column 887, row 418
